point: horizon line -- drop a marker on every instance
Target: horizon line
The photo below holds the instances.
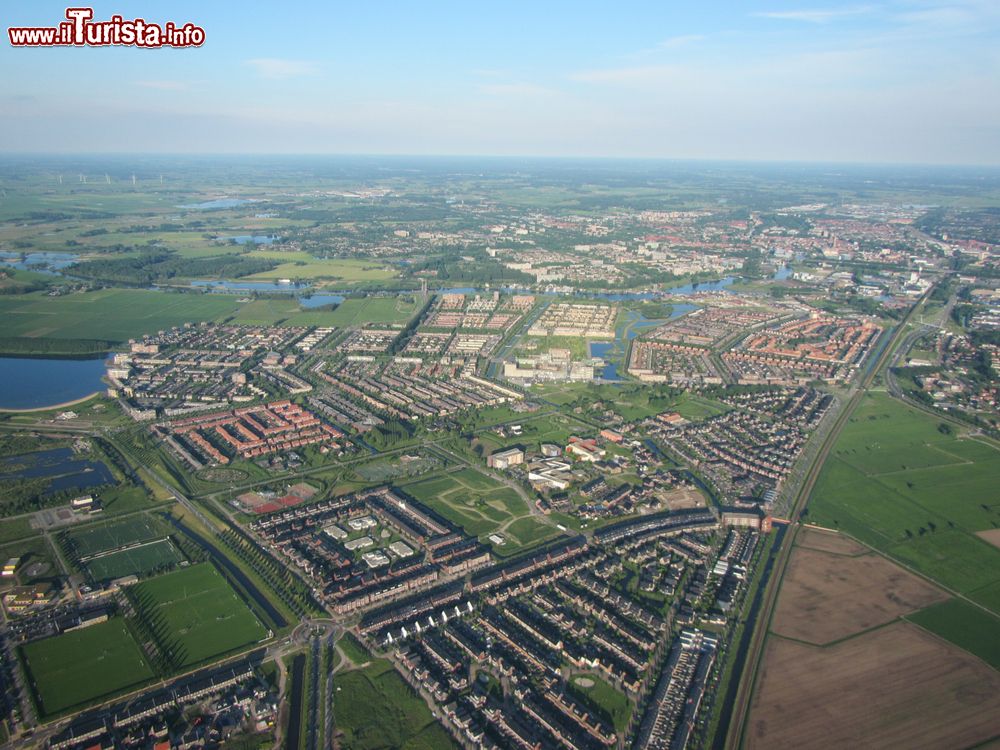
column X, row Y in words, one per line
column 540, row 157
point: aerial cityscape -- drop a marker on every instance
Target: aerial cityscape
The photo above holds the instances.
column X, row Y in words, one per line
column 531, row 446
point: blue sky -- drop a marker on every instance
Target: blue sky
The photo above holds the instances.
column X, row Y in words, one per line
column 899, row 81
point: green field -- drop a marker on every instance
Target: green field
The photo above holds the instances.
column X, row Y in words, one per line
column 965, row 625
column 286, row 312
column 135, row 561
column 548, row 428
column 81, row 666
column 613, row 704
column 107, row 536
column 577, row 346
column 899, row 483
column 36, row 555
column 376, row 709
column 480, row 505
column 16, row 528
column 385, row 469
column 108, row 315
column 195, row 614
column 629, row 400
column 360, row 312
column 304, row 267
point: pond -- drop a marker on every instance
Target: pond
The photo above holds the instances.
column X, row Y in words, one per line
column 60, row 466
column 216, row 204
column 321, row 300
column 48, row 263
column 37, row 383
column 254, row 239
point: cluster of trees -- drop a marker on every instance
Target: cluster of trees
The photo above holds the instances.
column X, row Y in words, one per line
column 388, row 434
column 404, row 336
column 160, row 265
column 19, row 282
column 40, row 347
column 292, row 591
column 479, row 271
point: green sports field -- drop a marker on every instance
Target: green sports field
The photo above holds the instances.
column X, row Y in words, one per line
column 140, row 560
column 109, row 314
column 901, row 482
column 196, row 615
column 83, row 665
column 108, row 536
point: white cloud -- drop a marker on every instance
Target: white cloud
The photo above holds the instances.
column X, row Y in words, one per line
column 816, row 15
column 516, row 89
column 276, row 69
column 163, row 85
column 681, row 40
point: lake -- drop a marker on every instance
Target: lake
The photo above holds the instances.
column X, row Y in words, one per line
column 36, row 383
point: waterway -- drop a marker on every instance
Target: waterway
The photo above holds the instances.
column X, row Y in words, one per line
column 252, row 286
column 720, row 285
column 635, row 323
column 37, row 383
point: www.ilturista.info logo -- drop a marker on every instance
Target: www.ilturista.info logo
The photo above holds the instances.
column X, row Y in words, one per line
column 80, row 30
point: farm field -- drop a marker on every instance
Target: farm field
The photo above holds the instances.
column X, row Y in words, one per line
column 898, row 481
column 83, row 665
column 966, row 626
column 826, row 541
column 141, row 560
column 195, row 614
column 109, row 314
column 376, row 709
column 896, row 686
column 826, row 596
column 360, row 312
